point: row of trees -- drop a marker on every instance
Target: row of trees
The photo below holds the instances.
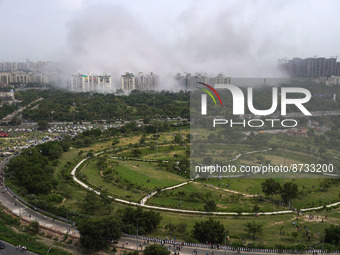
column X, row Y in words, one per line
column 288, row 191
column 96, row 233
column 66, row 106
column 33, row 169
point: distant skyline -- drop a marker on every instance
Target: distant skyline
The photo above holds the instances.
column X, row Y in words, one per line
column 238, row 38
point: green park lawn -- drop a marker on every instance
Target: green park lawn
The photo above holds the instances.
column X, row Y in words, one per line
column 194, row 195
column 138, row 173
column 273, row 224
column 310, row 193
column 147, row 174
column 144, row 177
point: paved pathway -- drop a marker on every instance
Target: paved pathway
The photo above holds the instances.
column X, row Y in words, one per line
column 13, row 205
column 73, row 173
column 143, row 201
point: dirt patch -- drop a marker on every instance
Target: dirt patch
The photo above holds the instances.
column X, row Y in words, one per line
column 313, row 218
column 278, row 223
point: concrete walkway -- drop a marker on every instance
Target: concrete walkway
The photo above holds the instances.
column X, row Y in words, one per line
column 73, row 173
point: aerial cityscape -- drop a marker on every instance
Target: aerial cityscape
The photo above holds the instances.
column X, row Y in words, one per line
column 169, row 127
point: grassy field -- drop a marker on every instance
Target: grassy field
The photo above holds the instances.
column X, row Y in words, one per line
column 94, row 178
column 194, row 195
column 272, row 227
column 136, row 178
column 145, row 177
column 148, row 175
column 310, row 193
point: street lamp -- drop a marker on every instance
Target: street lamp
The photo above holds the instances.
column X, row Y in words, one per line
column 49, row 249
column 137, row 226
column 225, row 241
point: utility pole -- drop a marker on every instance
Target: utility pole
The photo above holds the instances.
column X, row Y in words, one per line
column 323, row 241
column 137, row 227
column 225, row 241
column 284, row 163
column 154, row 107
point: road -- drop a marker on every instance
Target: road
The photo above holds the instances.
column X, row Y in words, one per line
column 10, row 116
column 12, row 250
column 19, row 209
column 134, row 244
column 28, row 214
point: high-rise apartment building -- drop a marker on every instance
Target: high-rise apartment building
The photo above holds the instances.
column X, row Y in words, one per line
column 311, row 67
column 189, row 81
column 128, row 82
column 90, row 82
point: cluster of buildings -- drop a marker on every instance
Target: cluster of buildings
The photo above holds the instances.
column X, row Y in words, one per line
column 103, row 83
column 7, row 97
column 189, row 81
column 90, row 82
column 141, row 82
column 27, row 72
column 24, row 77
column 315, row 67
column 28, row 65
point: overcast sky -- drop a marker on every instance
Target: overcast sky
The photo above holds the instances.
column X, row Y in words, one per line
column 238, row 38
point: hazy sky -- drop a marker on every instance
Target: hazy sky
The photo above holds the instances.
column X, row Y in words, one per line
column 238, row 38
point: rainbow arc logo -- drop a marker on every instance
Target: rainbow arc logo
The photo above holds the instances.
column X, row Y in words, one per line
column 209, row 93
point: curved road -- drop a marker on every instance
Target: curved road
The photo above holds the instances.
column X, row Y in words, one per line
column 13, row 205
column 27, row 214
column 12, row 250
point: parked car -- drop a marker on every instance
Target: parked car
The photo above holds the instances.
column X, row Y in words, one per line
column 2, row 245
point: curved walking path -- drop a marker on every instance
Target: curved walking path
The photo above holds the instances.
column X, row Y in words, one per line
column 143, row 201
column 73, row 173
column 247, row 153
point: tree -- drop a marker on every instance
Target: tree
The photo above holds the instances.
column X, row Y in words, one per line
column 289, row 191
column 36, row 176
column 115, row 142
column 142, row 140
column 156, row 249
column 209, row 231
column 210, row 206
column 33, row 227
column 178, row 138
column 332, row 235
column 106, row 200
column 42, row 125
column 147, row 221
column 91, row 202
column 252, row 228
column 90, row 154
column 96, row 233
column 271, row 187
column 136, row 153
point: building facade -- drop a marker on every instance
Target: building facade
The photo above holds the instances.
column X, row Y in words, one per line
column 128, row 82
column 144, row 82
column 90, row 82
column 24, row 77
column 189, row 81
column 311, row 67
